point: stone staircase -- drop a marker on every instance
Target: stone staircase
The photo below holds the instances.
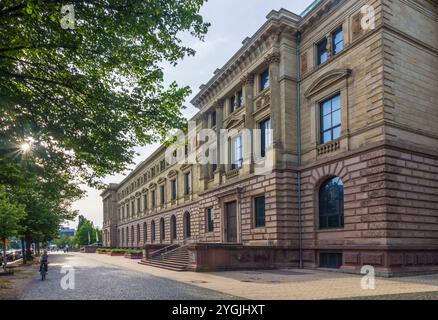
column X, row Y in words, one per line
column 176, row 260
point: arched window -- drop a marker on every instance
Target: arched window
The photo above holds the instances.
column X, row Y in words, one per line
column 187, row 225
column 138, row 234
column 331, row 204
column 162, row 230
column 122, row 239
column 145, row 233
column 127, row 236
column 173, row 228
column 153, row 231
column 132, row 235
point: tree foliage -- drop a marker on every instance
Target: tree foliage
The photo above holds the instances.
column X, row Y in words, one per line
column 88, row 95
column 86, row 232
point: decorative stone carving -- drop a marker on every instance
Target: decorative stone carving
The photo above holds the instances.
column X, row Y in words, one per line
column 274, row 57
column 247, row 79
column 326, row 80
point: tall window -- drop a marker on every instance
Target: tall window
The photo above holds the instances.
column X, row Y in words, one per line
column 162, row 193
column 153, row 199
column 145, row 232
column 187, row 225
column 264, row 80
column 259, row 209
column 236, row 152
column 162, row 165
column 132, row 208
column 331, row 204
column 162, row 230
column 187, row 183
column 322, row 53
column 213, row 118
column 127, row 210
column 210, row 220
column 338, row 41
column 232, row 104
column 266, row 137
column 173, row 186
column 239, row 99
column 331, row 119
column 138, row 205
column 153, row 231
column 173, row 227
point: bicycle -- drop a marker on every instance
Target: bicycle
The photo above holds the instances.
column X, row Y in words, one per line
column 43, row 270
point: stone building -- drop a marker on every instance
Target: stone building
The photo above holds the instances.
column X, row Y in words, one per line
column 349, row 91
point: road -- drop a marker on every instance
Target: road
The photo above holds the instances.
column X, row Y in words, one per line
column 95, row 280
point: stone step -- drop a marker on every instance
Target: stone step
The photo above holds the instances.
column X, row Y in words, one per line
column 165, row 265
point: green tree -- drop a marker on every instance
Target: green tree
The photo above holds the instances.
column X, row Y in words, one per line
column 88, row 95
column 62, row 242
column 86, row 233
column 10, row 215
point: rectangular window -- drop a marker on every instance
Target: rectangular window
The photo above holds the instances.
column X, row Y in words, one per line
column 322, row 53
column 173, row 186
column 232, row 104
column 213, row 118
column 330, row 260
column 331, row 119
column 266, row 136
column 162, row 165
column 127, row 210
column 239, row 99
column 259, row 209
column 153, row 199
column 264, row 80
column 132, row 208
column 138, row 205
column 237, row 153
column 210, row 220
column 187, row 183
column 338, row 41
column 162, row 193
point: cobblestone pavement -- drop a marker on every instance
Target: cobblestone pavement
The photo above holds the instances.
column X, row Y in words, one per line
column 290, row 284
column 97, row 280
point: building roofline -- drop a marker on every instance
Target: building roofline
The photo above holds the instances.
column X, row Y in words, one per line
column 273, row 17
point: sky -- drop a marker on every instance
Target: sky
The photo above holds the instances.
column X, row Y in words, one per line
column 231, row 22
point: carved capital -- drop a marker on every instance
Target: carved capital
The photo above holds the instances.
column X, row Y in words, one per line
column 274, row 57
column 247, row 79
column 219, row 103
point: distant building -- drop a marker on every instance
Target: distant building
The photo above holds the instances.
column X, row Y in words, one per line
column 66, row 232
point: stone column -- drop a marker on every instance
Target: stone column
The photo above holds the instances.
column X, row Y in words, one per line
column 248, row 100
column 276, row 122
column 219, row 104
column 203, row 169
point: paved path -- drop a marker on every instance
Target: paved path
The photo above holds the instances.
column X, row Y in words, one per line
column 97, row 280
column 284, row 284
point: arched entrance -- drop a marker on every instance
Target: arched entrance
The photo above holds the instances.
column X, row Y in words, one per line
column 162, row 230
column 173, row 233
column 187, row 226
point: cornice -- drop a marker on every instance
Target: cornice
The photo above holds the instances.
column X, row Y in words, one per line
column 278, row 22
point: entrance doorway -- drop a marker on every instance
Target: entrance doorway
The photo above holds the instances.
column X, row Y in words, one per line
column 231, row 222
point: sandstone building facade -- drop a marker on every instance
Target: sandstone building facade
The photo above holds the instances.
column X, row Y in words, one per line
column 350, row 91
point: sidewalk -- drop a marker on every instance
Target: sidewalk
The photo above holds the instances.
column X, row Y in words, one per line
column 283, row 284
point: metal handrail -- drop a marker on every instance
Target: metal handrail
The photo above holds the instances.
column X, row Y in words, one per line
column 164, row 250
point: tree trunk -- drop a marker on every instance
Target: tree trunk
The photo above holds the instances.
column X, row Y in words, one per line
column 23, row 251
column 28, row 252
